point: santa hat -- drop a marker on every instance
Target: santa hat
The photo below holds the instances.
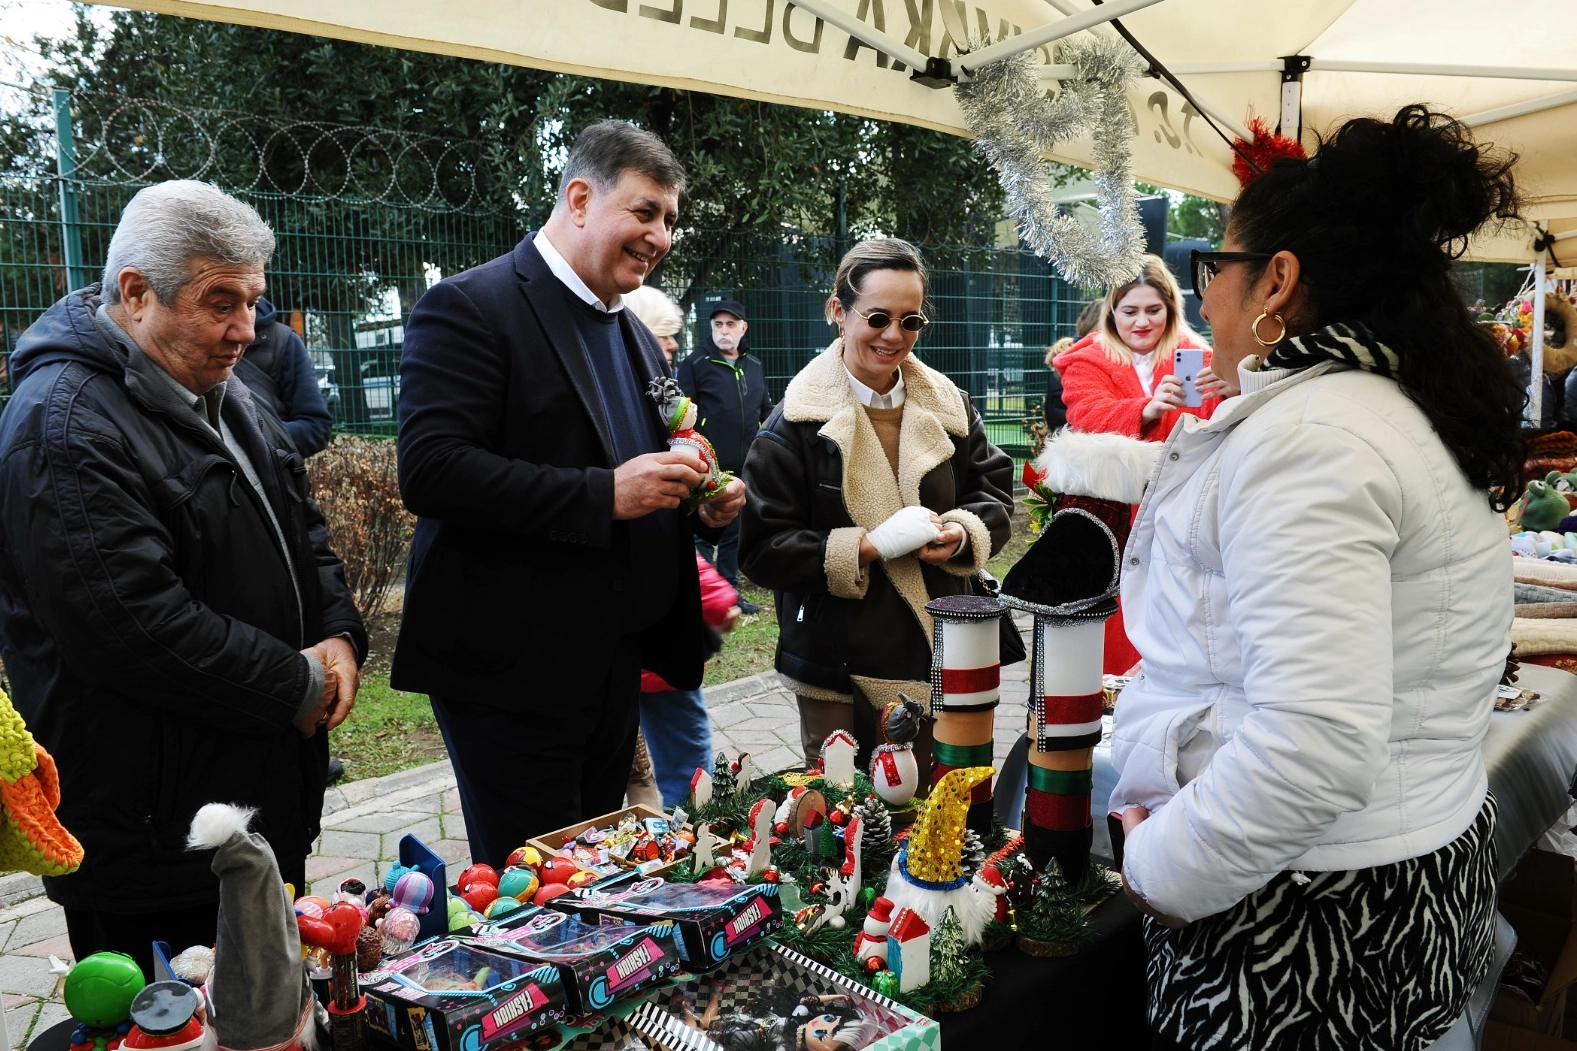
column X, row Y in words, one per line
column 1072, row 567
column 32, row 839
column 258, row 993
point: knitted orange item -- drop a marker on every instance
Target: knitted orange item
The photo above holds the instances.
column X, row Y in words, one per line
column 31, row 838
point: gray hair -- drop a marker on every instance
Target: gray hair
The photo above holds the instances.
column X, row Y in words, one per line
column 609, row 148
column 164, row 227
column 656, row 311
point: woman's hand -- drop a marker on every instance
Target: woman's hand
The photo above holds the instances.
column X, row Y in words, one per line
column 1168, row 396
column 1131, row 819
column 949, row 542
column 1213, row 386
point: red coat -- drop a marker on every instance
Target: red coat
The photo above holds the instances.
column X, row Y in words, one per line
column 1105, row 397
column 717, row 598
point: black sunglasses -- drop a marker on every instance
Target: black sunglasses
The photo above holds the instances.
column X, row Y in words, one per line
column 880, row 319
column 1204, row 266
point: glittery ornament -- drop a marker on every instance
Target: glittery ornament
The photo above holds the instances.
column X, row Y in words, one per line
column 936, row 844
column 369, row 949
column 1014, row 125
column 399, row 929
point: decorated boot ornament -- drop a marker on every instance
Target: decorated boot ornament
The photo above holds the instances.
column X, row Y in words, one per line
column 1068, row 579
column 679, row 416
column 894, row 770
column 966, row 677
column 930, row 874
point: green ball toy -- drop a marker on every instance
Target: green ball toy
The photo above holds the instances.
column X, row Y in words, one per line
column 100, row 989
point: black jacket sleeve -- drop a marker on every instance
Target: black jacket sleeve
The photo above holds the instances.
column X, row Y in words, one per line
column 96, row 565
column 305, row 414
column 454, row 372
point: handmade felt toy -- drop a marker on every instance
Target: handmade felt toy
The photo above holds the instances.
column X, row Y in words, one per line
column 258, row 993
column 32, row 839
column 679, row 416
column 1543, row 507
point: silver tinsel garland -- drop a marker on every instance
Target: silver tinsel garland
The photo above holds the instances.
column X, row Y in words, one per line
column 1014, row 124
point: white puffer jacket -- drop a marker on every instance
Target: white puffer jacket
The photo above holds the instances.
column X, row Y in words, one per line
column 1324, row 606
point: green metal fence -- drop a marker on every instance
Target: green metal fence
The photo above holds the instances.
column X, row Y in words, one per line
column 367, row 219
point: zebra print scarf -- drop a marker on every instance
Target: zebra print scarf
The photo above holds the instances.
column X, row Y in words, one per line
column 1353, row 345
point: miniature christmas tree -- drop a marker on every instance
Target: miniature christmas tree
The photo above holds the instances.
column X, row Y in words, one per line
column 724, row 783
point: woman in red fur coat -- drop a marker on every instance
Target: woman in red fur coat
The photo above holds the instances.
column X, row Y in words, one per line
column 1119, row 379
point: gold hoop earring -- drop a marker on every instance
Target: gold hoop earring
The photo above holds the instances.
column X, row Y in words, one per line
column 1261, row 340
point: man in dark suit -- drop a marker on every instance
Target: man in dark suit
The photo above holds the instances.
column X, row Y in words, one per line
column 550, row 563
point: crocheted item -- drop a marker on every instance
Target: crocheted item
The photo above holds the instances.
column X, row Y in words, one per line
column 32, row 839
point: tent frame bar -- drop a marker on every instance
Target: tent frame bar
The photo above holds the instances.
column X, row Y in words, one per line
column 1034, row 38
column 871, row 37
column 1343, row 66
column 1520, row 109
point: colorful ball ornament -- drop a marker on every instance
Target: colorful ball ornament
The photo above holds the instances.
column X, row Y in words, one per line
column 414, row 891
column 557, row 870
column 518, row 883
column 478, row 874
column 478, row 895
column 312, row 906
column 400, row 928
column 529, row 857
column 500, row 906
column 100, row 989
column 547, row 892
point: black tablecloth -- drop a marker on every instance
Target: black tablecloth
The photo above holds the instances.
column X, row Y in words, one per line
column 1095, row 996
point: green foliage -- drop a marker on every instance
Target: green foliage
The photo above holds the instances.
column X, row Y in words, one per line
column 1054, row 913
column 389, row 731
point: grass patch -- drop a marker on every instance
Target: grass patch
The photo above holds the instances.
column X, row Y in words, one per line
column 748, row 649
column 388, row 731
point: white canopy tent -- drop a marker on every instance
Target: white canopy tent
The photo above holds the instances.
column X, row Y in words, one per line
column 1508, row 68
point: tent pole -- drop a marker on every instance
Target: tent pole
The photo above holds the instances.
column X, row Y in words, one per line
column 1536, row 354
column 1034, row 38
column 1429, row 69
column 873, row 38
column 1292, row 69
column 1520, row 109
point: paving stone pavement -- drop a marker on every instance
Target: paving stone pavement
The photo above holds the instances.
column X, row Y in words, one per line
column 363, row 822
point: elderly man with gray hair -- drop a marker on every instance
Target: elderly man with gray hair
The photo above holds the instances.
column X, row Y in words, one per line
column 174, row 625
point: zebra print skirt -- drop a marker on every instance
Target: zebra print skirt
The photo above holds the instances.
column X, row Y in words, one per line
column 1382, row 958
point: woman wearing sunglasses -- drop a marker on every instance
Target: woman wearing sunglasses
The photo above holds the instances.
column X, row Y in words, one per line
column 1321, row 587
column 873, row 489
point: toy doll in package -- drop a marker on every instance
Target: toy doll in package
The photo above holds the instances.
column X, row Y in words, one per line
column 764, row 1001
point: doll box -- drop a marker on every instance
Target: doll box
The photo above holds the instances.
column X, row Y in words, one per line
column 598, row 963
column 447, row 996
column 790, row 999
column 713, row 920
column 550, row 843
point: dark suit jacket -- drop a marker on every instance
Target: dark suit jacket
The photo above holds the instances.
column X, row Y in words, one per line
column 518, row 576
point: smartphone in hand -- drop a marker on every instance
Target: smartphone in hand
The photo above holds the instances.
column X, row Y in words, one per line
column 1186, row 365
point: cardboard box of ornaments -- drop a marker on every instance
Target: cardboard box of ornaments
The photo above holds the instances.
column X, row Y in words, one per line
column 550, row 843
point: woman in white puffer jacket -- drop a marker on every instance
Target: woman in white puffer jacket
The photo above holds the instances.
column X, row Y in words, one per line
column 1321, row 591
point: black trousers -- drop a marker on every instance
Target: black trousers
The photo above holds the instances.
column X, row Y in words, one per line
column 134, row 933
column 521, row 775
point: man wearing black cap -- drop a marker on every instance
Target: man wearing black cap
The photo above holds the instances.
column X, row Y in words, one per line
column 729, row 386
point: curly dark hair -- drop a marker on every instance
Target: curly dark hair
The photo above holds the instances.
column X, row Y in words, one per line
column 1376, row 218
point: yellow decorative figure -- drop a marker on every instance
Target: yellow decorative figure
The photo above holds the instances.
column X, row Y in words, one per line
column 928, row 874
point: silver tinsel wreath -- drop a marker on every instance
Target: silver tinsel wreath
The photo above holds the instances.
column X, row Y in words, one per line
column 1014, row 124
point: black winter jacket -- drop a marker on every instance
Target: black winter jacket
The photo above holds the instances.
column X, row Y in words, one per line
column 819, row 481
column 148, row 622
column 278, row 368
column 731, row 400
